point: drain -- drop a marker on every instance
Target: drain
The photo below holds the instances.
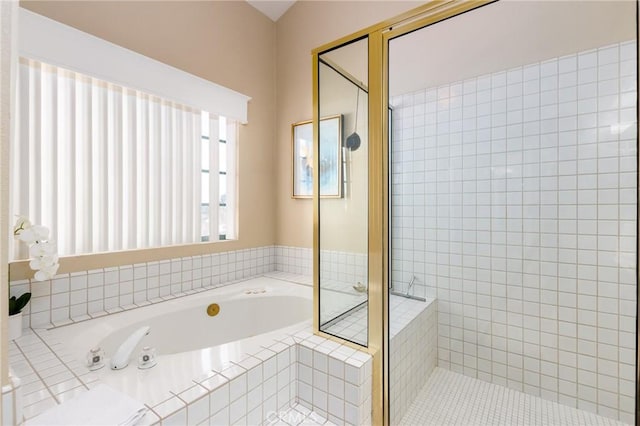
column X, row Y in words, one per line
column 213, row 309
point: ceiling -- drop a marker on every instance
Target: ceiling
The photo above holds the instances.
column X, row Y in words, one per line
column 273, row 9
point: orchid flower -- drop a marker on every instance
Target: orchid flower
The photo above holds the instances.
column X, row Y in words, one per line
column 47, row 272
column 34, row 234
column 43, row 262
column 42, row 248
column 22, row 223
column 43, row 251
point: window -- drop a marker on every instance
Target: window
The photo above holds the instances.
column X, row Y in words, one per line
column 109, row 168
column 218, row 178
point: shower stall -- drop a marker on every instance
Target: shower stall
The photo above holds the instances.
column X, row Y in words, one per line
column 501, row 211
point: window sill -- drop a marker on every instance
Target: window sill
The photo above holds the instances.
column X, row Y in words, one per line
column 19, row 269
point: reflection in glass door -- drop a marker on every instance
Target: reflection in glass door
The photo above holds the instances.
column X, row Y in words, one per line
column 343, row 187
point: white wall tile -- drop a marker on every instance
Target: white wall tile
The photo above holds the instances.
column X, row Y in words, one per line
column 73, row 296
column 542, row 215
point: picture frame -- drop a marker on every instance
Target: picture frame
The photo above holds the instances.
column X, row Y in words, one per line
column 330, row 156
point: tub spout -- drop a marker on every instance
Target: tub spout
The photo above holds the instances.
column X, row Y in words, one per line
column 411, row 283
column 122, row 356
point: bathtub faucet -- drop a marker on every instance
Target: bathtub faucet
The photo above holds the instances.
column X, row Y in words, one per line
column 411, row 283
column 122, row 356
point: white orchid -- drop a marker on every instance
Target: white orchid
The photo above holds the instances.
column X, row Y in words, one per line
column 43, row 248
column 27, row 236
column 22, row 223
column 34, row 233
column 43, row 251
column 43, row 262
column 46, row 273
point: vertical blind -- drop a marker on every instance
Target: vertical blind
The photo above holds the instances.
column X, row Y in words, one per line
column 104, row 166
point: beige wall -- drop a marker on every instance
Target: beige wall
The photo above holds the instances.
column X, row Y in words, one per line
column 194, row 36
column 537, row 31
column 227, row 42
column 307, row 25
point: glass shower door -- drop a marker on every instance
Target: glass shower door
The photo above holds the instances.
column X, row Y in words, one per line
column 343, row 171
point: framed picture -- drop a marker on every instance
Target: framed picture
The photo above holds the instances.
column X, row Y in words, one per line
column 330, row 158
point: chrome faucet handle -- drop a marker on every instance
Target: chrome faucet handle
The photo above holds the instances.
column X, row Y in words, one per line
column 147, row 358
column 95, row 359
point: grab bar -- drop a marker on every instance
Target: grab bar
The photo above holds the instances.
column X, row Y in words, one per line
column 395, row 293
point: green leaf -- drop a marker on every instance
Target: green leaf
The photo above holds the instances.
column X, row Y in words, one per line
column 16, row 305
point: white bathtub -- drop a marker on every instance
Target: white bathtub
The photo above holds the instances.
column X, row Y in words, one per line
column 190, row 343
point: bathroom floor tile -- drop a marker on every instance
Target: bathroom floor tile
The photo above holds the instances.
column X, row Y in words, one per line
column 454, row 399
column 296, row 415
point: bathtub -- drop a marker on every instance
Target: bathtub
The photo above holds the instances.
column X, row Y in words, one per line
column 189, row 342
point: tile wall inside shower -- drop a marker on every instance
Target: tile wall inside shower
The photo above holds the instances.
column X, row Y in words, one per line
column 514, row 204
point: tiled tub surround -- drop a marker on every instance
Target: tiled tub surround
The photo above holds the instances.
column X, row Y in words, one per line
column 245, row 382
column 351, row 325
column 335, row 265
column 412, row 352
column 180, row 328
column 83, row 295
column 346, row 268
column 336, row 380
column 89, row 294
column 514, row 203
column 413, row 349
column 336, row 303
column 340, row 272
column 295, row 260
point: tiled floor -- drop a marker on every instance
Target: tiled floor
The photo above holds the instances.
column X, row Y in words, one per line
column 450, row 398
column 296, row 415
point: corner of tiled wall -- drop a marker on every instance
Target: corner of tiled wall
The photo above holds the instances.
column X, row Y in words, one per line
column 412, row 352
column 294, row 260
column 334, row 381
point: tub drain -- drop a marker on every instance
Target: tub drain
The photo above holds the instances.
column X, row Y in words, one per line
column 213, row 309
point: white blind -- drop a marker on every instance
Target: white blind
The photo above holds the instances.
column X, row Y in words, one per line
column 105, row 167
column 54, row 43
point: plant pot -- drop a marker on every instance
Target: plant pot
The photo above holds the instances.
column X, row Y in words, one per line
column 15, row 326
